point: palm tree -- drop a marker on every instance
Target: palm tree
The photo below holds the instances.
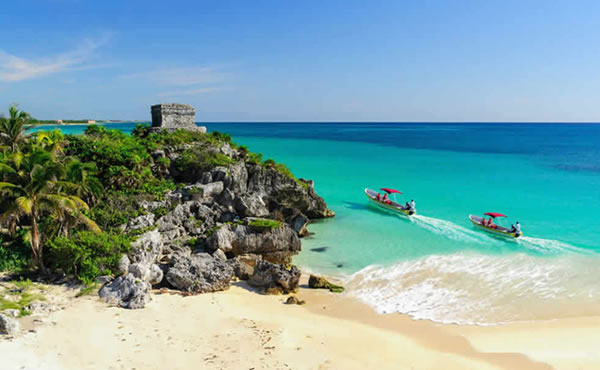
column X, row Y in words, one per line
column 33, row 185
column 83, row 176
column 12, row 129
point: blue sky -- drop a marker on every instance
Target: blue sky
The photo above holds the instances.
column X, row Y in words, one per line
column 333, row 60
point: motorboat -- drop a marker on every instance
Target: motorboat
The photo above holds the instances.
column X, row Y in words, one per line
column 492, row 227
column 388, row 204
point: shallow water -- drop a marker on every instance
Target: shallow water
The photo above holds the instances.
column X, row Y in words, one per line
column 436, row 265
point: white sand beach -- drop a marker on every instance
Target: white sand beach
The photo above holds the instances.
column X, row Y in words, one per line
column 239, row 329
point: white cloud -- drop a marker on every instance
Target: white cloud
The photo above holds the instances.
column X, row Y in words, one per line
column 198, row 91
column 14, row 68
column 185, row 76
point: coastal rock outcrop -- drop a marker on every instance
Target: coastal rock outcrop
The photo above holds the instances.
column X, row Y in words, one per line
column 281, row 191
column 272, row 278
column 126, row 291
column 243, row 265
column 199, row 273
column 317, row 282
column 276, row 244
column 8, row 325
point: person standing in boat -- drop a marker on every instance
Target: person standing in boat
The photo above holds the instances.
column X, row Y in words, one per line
column 412, row 206
column 516, row 229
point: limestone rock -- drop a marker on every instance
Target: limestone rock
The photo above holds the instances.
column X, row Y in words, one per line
column 127, row 292
column 220, row 255
column 271, row 278
column 172, row 116
column 299, row 223
column 284, row 192
column 294, row 300
column 8, row 325
column 140, row 222
column 104, row 279
column 199, row 273
column 250, row 205
column 147, row 248
column 123, row 265
column 277, row 245
column 243, row 265
column 317, row 282
column 11, row 312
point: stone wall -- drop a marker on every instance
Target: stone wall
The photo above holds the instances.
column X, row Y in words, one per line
column 173, row 116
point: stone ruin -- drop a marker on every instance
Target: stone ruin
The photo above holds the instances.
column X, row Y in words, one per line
column 173, row 116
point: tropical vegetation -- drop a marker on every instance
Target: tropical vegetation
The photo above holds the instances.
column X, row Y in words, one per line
column 65, row 198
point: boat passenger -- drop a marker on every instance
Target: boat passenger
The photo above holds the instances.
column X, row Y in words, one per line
column 385, row 198
column 406, row 205
column 378, row 196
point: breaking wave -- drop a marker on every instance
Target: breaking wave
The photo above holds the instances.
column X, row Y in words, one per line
column 483, row 289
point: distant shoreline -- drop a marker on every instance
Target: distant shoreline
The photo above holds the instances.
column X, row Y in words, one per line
column 81, row 123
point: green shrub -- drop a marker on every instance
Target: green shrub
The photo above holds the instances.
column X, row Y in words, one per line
column 255, row 158
column 15, row 256
column 161, row 211
column 87, row 255
column 195, row 161
column 265, row 223
column 192, row 242
column 116, row 208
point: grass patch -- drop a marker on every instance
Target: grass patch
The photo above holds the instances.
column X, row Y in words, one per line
column 90, row 289
column 19, row 297
column 265, row 223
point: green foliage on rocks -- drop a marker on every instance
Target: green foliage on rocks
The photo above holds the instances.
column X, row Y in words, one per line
column 88, row 255
column 265, row 223
column 65, row 198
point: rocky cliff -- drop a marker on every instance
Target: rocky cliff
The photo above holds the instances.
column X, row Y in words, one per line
column 237, row 219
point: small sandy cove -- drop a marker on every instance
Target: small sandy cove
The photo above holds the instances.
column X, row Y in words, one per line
column 240, row 329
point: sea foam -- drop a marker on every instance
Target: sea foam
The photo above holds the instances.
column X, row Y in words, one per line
column 482, row 289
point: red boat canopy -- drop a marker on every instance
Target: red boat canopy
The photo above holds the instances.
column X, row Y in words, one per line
column 494, row 214
column 390, row 191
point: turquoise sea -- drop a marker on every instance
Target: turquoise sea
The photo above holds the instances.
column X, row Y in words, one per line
column 436, row 265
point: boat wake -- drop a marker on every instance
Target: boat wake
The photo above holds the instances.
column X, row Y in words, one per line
column 548, row 246
column 448, row 229
column 470, row 288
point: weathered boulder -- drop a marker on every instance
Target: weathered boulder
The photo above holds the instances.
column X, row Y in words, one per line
column 250, row 205
column 127, row 292
column 199, row 273
column 299, row 223
column 187, row 218
column 294, row 300
column 243, row 265
column 123, row 265
column 147, row 248
column 281, row 191
column 8, row 325
column 317, row 282
column 150, row 273
column 277, row 244
column 140, row 222
column 172, row 116
column 226, row 199
column 11, row 312
column 272, row 278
